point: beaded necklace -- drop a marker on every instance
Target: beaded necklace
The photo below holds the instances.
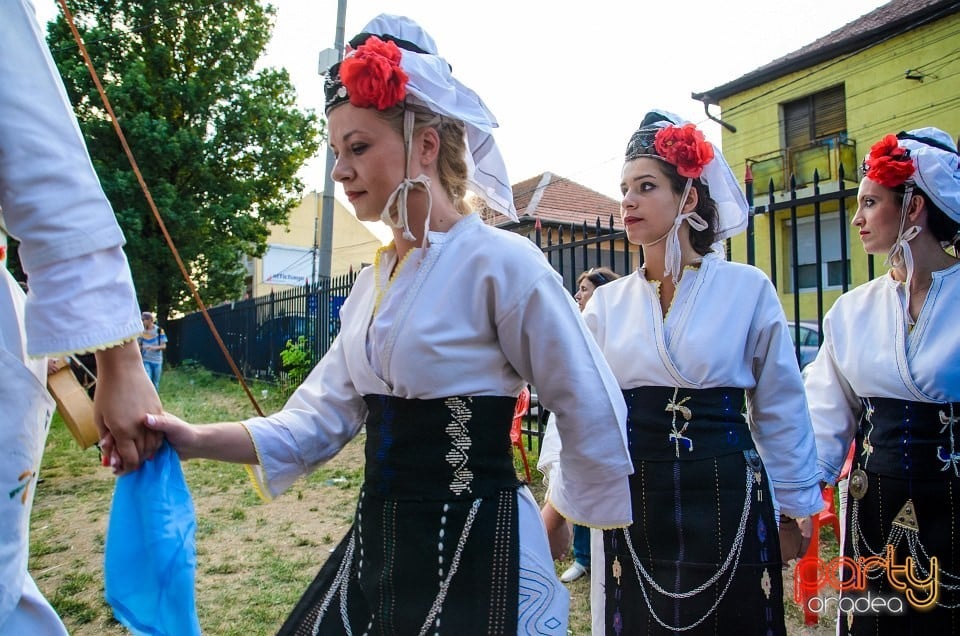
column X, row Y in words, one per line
column 382, row 283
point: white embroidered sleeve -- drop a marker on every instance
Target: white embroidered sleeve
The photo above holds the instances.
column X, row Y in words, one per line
column 318, row 420
column 833, row 409
column 778, row 415
column 547, row 342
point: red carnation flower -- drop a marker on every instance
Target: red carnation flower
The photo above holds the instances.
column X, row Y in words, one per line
column 888, row 163
column 372, row 75
column 685, row 147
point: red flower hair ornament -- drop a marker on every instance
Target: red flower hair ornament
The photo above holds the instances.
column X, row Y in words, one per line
column 685, row 147
column 372, row 75
column 888, row 163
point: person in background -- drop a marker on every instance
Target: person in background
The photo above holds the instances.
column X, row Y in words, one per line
column 717, row 419
column 70, row 249
column 587, row 282
column 152, row 342
column 887, row 378
column 437, row 339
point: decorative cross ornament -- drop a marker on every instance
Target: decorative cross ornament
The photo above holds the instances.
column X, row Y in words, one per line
column 676, row 436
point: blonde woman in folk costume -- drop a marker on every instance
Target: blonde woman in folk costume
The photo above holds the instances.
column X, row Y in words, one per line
column 437, row 338
column 888, row 378
column 693, row 340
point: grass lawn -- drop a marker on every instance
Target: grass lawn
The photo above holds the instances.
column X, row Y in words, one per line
column 254, row 559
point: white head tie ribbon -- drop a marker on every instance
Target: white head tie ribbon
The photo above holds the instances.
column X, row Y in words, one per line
column 672, row 253
column 400, row 194
column 900, row 253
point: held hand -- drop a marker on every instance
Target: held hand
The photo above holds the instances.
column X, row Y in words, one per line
column 181, row 435
column 795, row 535
column 124, row 396
column 559, row 531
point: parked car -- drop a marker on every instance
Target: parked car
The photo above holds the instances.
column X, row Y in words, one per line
column 809, row 340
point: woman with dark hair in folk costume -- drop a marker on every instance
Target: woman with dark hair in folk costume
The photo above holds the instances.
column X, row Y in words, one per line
column 888, row 378
column 693, row 341
column 438, row 336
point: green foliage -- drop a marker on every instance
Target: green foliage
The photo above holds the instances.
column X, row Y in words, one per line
column 218, row 141
column 296, row 360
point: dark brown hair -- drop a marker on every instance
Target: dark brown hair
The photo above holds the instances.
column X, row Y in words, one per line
column 598, row 276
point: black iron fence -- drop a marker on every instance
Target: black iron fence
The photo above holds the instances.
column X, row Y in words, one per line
column 805, row 236
column 800, row 238
column 255, row 331
column 574, row 249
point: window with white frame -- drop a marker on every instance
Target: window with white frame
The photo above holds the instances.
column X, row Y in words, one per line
column 831, row 266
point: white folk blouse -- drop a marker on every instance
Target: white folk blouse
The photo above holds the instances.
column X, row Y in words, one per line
column 81, row 294
column 869, row 350
column 725, row 328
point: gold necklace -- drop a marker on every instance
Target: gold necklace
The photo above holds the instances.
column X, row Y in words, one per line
column 381, row 288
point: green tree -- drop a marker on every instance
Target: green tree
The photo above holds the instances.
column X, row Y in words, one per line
column 219, row 142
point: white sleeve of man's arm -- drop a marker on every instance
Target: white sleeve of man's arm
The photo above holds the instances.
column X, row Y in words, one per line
column 53, row 203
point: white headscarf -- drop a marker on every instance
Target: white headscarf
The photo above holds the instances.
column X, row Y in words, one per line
column 430, row 84
column 937, row 170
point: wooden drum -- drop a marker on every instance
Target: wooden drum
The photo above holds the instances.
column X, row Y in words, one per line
column 73, row 403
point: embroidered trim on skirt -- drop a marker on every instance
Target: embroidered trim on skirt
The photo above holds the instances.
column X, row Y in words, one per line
column 905, row 452
column 434, row 547
column 703, row 553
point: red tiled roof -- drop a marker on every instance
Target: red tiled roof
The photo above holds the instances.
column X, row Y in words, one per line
column 555, row 199
column 893, row 18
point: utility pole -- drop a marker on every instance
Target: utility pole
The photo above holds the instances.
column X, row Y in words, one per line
column 326, row 219
column 316, row 237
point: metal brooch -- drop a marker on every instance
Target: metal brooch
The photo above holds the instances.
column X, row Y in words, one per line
column 858, row 484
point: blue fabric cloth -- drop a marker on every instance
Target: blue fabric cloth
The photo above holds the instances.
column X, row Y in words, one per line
column 150, row 553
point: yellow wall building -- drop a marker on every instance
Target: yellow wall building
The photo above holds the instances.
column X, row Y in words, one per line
column 291, row 254
column 823, row 106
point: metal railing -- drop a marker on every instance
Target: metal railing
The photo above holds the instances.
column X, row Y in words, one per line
column 825, row 157
column 256, row 330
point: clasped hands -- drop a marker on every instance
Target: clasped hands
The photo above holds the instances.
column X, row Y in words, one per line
column 123, row 397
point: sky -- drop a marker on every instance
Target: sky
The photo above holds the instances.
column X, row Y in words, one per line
column 568, row 81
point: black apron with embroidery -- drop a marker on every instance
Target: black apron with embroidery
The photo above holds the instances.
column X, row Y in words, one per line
column 703, row 522
column 906, row 450
column 434, row 547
